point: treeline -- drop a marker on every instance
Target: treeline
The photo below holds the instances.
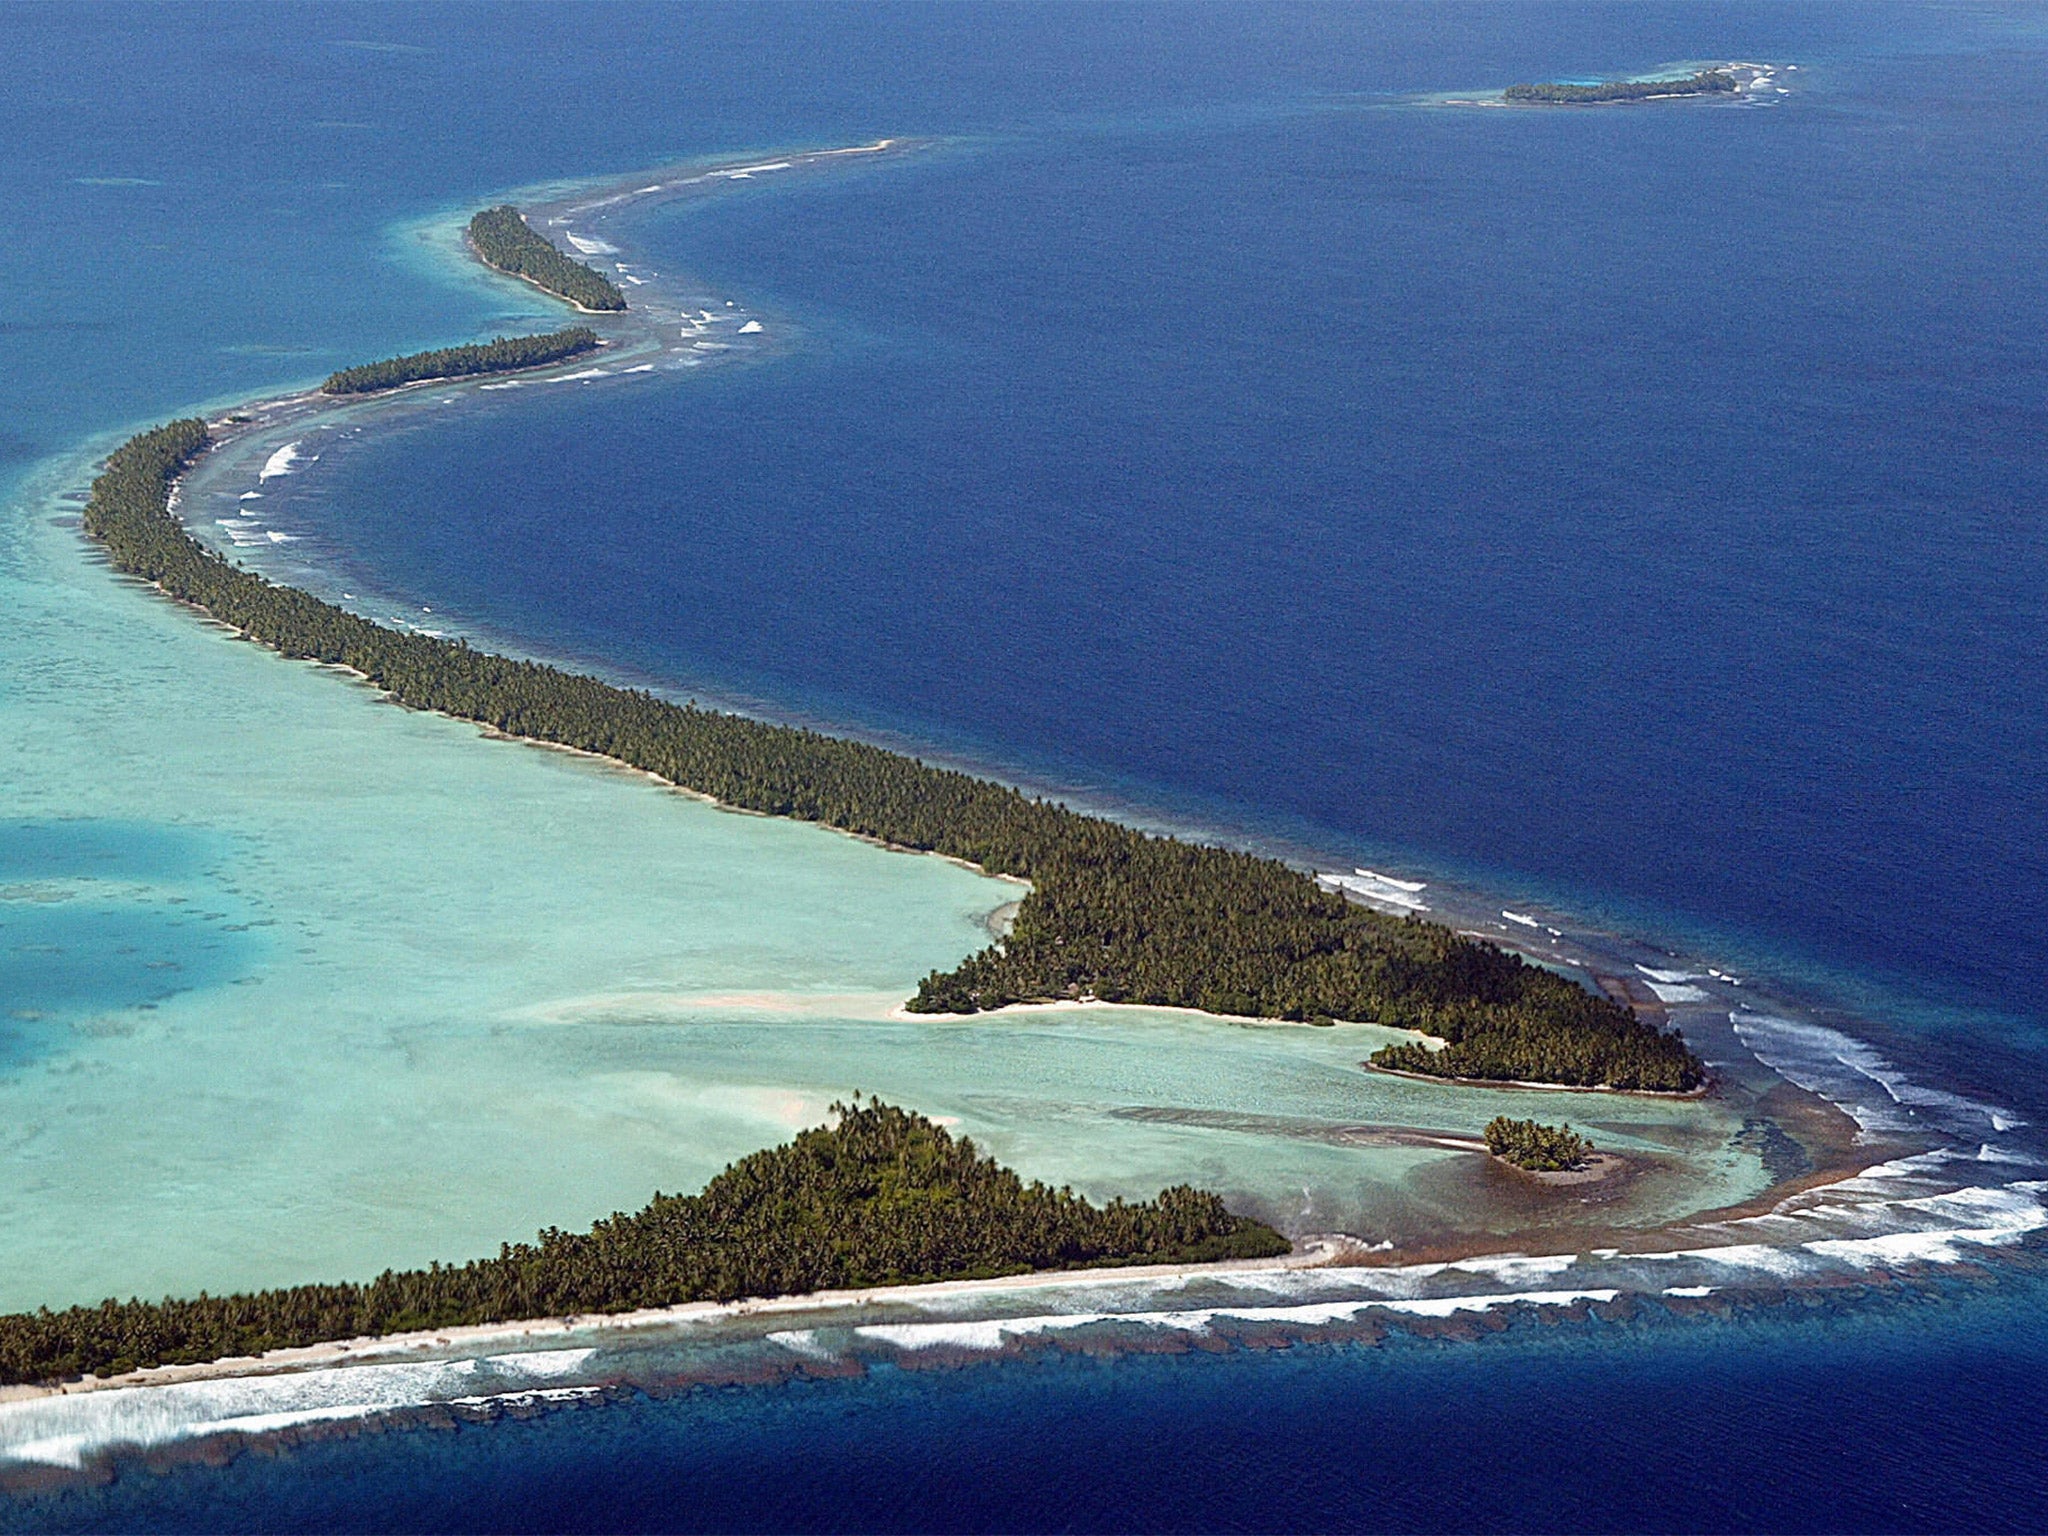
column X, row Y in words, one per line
column 1706, row 83
column 1570, row 1036
column 884, row 1197
column 1114, row 913
column 509, row 243
column 503, row 355
column 1128, row 918
column 1539, row 1148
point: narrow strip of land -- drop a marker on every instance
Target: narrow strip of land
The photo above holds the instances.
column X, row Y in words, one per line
column 1707, row 82
column 1114, row 914
column 880, row 1197
column 503, row 239
column 507, row 354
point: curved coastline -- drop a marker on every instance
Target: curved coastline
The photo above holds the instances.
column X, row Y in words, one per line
column 1144, row 907
column 640, row 335
column 1004, row 1289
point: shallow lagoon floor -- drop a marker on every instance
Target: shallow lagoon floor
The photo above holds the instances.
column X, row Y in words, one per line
column 300, row 985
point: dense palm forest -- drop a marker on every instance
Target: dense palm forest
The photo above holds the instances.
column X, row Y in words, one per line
column 884, row 1197
column 505, row 240
column 1114, row 913
column 1708, row 82
column 503, row 355
column 1539, row 1148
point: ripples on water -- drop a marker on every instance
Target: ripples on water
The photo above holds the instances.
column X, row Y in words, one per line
column 1801, row 632
column 1917, row 1412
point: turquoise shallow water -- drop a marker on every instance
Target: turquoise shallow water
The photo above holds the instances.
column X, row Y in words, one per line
column 309, row 1073
column 297, row 984
column 318, row 985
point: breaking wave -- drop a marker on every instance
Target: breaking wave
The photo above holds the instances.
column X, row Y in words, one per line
column 1859, row 1080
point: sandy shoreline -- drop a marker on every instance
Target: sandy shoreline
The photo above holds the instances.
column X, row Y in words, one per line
column 478, row 1338
column 1703, row 1091
column 469, row 245
column 1448, row 1246
column 1835, row 1153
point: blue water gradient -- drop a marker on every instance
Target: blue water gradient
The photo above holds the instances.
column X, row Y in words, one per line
column 1636, row 507
column 100, row 917
column 1918, row 1414
column 1637, row 504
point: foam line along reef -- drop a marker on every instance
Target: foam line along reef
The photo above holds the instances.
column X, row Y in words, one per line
column 877, row 1197
column 1925, row 1220
column 1113, row 914
column 1225, row 933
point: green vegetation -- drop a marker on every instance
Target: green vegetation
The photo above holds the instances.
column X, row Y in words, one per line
column 1570, row 1036
column 882, row 1198
column 1114, row 913
column 510, row 244
column 504, row 355
column 1708, row 82
column 1538, row 1148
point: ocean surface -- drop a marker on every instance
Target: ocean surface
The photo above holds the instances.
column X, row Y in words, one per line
column 1922, row 1421
column 1634, row 514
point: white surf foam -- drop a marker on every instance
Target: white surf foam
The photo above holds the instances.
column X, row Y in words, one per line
column 61, row 1431
column 1517, row 1269
column 1447, row 1306
column 1845, row 1071
column 280, row 462
column 1410, row 886
column 1667, row 992
column 1382, row 890
column 1760, row 1258
column 588, row 247
column 990, row 1335
column 751, row 328
column 1519, row 917
column 1941, row 1247
column 802, row 1341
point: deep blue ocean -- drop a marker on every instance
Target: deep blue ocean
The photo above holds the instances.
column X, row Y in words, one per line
column 1637, row 510
column 1927, row 1419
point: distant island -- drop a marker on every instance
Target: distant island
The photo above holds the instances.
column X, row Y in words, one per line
column 1708, row 82
column 882, row 1197
column 1114, row 914
column 507, row 354
column 503, row 238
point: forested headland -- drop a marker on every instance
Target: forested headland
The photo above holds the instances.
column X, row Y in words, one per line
column 505, row 240
column 504, row 355
column 1708, row 82
column 884, row 1197
column 1538, row 1148
column 1113, row 914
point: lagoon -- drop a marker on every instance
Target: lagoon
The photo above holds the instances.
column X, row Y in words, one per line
column 302, row 984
